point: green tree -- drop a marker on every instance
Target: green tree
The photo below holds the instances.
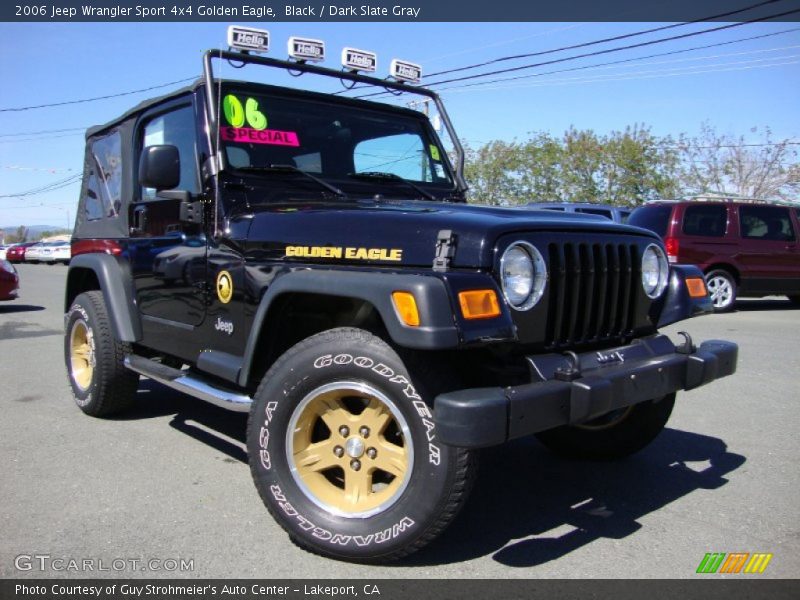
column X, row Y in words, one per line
column 540, row 168
column 491, row 171
column 637, row 166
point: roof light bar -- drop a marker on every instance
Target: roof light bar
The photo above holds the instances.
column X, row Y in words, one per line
column 402, row 70
column 248, row 39
column 359, row 60
column 306, row 49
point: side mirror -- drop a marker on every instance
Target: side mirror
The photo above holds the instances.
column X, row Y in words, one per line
column 160, row 167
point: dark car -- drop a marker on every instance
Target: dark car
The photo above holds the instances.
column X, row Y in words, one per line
column 9, row 281
column 16, row 253
column 744, row 249
column 617, row 214
column 311, row 259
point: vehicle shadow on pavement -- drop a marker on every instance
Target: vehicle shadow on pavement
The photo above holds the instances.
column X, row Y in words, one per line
column 7, row 309
column 758, row 305
column 529, row 507
column 216, row 427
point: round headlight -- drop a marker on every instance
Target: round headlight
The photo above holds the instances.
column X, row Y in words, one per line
column 655, row 271
column 523, row 275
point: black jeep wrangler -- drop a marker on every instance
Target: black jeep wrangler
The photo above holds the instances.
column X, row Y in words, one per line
column 310, row 259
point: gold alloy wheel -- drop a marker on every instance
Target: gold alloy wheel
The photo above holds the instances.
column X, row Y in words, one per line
column 349, row 449
column 608, row 420
column 81, row 354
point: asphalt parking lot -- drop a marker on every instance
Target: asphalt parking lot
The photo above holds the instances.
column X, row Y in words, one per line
column 170, row 481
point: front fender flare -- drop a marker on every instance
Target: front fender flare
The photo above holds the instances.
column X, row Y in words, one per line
column 678, row 305
column 437, row 331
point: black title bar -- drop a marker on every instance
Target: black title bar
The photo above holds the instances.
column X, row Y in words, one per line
column 267, row 11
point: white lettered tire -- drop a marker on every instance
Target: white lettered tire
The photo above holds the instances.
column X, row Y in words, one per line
column 344, row 453
column 100, row 383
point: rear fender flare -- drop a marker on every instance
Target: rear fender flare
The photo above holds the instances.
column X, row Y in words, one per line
column 115, row 282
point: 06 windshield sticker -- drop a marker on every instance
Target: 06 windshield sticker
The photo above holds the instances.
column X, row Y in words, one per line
column 248, row 125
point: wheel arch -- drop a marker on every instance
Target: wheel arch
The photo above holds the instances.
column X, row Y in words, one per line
column 720, row 266
column 104, row 272
column 366, row 297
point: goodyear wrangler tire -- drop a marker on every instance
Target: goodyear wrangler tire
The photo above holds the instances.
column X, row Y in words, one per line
column 614, row 435
column 344, row 453
column 101, row 385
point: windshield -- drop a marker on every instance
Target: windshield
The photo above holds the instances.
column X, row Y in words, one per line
column 331, row 140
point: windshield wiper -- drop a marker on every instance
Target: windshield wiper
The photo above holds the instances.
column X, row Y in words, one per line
column 377, row 175
column 292, row 169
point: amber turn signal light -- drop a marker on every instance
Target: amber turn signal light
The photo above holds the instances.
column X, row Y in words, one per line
column 406, row 307
column 479, row 304
column 696, row 287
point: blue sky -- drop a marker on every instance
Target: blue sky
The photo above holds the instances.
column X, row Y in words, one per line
column 734, row 87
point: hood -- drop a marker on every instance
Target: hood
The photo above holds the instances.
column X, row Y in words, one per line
column 401, row 232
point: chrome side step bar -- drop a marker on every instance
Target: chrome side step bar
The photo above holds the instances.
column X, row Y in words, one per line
column 186, row 383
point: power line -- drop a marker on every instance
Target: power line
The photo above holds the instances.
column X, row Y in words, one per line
column 6, row 135
column 40, row 138
column 653, row 74
column 623, row 61
column 618, row 49
column 82, row 100
column 41, row 205
column 56, row 185
column 600, row 41
column 600, row 52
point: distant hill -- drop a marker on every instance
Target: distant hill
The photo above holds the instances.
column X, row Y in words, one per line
column 32, row 229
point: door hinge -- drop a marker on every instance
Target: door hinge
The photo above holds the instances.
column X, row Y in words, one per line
column 445, row 250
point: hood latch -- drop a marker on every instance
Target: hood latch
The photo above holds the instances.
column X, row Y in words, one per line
column 445, row 250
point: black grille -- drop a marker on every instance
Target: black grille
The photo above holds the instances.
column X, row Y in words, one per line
column 593, row 290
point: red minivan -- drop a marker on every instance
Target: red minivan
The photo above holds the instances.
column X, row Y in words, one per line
column 744, row 249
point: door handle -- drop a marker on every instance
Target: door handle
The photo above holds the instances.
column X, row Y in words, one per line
column 139, row 219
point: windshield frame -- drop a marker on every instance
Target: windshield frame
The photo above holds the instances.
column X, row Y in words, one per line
column 418, row 125
column 213, row 103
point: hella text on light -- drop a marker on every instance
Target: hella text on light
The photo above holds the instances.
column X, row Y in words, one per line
column 402, row 70
column 248, row 39
column 359, row 60
column 306, row 49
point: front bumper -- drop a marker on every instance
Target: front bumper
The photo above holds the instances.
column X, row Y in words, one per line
column 568, row 391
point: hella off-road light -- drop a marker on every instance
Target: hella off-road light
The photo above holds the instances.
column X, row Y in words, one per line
column 402, row 70
column 306, row 49
column 359, row 60
column 248, row 39
column 655, row 271
column 523, row 275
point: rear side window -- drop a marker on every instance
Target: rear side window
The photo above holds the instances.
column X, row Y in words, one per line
column 104, row 179
column 709, row 221
column 766, row 223
column 654, row 218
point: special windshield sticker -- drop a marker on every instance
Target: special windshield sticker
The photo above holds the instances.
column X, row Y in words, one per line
column 434, row 152
column 383, row 254
column 246, row 135
column 238, row 115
